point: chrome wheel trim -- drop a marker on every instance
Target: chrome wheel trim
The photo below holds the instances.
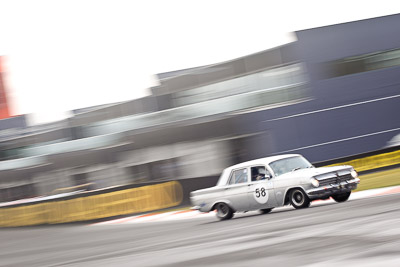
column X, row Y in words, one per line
column 298, row 197
column 222, row 210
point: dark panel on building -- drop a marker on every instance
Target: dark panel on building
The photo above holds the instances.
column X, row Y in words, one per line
column 350, row 39
column 17, row 122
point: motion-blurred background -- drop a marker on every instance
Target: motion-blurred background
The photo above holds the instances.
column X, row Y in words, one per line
column 329, row 93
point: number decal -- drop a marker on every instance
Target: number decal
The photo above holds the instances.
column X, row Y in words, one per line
column 261, row 194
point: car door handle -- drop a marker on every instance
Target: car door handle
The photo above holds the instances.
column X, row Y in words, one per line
column 249, row 184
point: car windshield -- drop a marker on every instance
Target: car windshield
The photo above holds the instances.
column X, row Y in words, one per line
column 289, row 164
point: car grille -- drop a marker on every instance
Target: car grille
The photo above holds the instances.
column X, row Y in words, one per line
column 335, row 180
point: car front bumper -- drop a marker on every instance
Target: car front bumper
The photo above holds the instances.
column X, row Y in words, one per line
column 333, row 189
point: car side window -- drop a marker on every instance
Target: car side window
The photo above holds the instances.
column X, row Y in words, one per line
column 259, row 173
column 238, row 176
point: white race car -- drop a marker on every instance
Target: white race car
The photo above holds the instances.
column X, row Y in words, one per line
column 266, row 183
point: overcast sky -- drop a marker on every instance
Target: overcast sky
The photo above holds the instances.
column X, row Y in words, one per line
column 63, row 55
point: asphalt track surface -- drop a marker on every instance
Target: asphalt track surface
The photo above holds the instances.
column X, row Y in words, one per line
column 363, row 232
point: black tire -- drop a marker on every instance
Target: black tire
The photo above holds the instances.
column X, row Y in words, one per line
column 299, row 199
column 224, row 212
column 342, row 197
column 265, row 211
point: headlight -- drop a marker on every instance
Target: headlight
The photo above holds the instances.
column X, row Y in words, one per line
column 354, row 173
column 314, row 182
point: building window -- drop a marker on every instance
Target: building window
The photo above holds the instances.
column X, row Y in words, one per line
column 270, row 79
column 157, row 170
column 80, row 178
column 358, row 64
column 140, row 173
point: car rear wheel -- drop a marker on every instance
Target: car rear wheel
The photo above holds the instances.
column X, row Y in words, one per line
column 224, row 212
column 299, row 199
column 341, row 197
column 265, row 211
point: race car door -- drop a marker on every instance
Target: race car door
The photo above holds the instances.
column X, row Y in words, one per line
column 236, row 189
column 260, row 192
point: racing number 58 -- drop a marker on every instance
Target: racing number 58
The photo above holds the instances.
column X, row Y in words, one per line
column 260, row 192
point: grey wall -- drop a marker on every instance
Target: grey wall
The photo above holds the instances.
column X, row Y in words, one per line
column 367, row 119
column 335, row 126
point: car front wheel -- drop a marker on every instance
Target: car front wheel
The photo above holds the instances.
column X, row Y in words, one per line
column 299, row 199
column 224, row 212
column 341, row 197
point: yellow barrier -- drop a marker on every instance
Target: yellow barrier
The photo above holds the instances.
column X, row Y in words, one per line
column 128, row 201
column 373, row 162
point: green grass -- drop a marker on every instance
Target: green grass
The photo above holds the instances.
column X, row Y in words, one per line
column 379, row 179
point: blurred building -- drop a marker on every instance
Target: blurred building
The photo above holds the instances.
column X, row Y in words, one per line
column 333, row 93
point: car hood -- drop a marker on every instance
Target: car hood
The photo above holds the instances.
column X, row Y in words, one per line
column 312, row 172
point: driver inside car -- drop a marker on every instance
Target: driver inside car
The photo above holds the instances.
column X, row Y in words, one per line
column 259, row 174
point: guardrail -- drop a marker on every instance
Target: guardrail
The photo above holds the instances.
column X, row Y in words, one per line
column 370, row 161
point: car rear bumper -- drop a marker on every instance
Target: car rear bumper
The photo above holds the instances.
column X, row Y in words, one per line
column 333, row 189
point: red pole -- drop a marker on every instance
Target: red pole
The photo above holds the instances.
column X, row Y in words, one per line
column 4, row 108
